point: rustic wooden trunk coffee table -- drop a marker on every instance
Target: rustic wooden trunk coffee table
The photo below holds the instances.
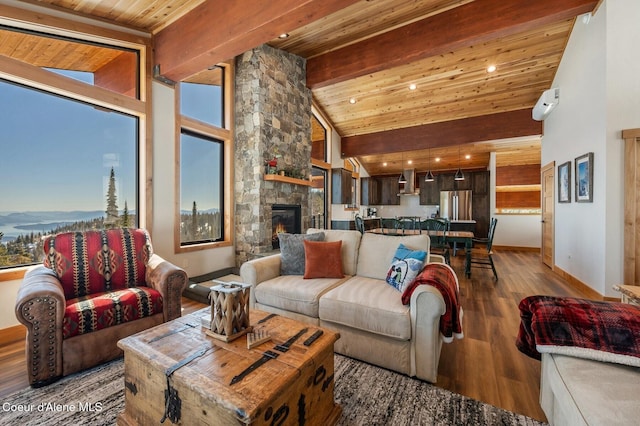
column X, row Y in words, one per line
column 177, row 372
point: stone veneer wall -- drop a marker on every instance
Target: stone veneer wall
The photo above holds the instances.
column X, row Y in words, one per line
column 272, row 116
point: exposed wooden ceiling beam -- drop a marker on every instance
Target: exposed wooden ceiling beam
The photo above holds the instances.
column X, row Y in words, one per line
column 449, row 133
column 214, row 32
column 463, row 26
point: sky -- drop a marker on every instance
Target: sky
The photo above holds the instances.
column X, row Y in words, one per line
column 199, row 157
column 47, row 142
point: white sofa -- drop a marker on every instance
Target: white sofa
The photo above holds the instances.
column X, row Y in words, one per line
column 576, row 391
column 368, row 313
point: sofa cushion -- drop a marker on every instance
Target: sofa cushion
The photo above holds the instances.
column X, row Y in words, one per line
column 292, row 251
column 92, row 262
column 350, row 246
column 98, row 311
column 580, row 391
column 405, row 267
column 292, row 293
column 367, row 304
column 377, row 251
column 323, row 259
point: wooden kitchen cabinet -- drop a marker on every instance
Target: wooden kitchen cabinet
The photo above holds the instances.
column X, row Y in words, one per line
column 445, row 182
column 389, row 189
column 480, row 184
column 370, row 191
column 429, row 192
column 480, row 202
column 461, row 185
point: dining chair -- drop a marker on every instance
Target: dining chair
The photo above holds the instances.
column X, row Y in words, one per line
column 406, row 223
column 359, row 223
column 438, row 236
column 389, row 225
column 482, row 253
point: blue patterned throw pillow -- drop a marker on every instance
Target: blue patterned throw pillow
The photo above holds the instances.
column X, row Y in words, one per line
column 405, row 267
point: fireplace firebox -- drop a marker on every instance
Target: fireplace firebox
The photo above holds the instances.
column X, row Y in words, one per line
column 284, row 218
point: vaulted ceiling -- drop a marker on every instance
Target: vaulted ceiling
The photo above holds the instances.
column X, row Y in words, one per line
column 363, row 55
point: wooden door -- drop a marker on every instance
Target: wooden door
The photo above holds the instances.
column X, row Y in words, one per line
column 631, row 206
column 547, row 202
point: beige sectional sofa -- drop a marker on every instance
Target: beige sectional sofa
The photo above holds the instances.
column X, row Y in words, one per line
column 577, row 391
column 368, row 313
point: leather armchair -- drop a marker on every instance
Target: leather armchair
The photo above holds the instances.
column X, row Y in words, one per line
column 66, row 334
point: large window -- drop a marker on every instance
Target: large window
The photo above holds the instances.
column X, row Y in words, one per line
column 319, row 171
column 70, row 140
column 201, row 189
column 204, row 146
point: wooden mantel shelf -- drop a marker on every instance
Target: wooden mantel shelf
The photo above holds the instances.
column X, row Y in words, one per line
column 286, row 179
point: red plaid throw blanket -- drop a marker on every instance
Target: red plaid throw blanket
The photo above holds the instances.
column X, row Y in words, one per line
column 442, row 277
column 604, row 331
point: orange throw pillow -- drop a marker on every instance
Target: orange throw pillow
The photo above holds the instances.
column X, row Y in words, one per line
column 323, row 259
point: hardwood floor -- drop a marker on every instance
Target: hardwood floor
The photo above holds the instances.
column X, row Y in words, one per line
column 485, row 365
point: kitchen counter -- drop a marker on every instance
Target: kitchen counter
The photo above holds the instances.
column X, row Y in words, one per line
column 369, row 223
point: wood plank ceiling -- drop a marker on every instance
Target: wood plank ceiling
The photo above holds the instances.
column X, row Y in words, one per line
column 451, row 80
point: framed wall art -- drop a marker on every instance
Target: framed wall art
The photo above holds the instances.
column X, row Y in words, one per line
column 584, row 178
column 564, row 182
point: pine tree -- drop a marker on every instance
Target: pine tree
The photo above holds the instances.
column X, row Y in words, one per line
column 194, row 222
column 111, row 218
column 125, row 215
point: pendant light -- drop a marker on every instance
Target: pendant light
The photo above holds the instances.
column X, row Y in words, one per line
column 429, row 176
column 459, row 175
column 402, row 179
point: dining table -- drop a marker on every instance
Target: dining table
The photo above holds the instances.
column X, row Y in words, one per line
column 464, row 237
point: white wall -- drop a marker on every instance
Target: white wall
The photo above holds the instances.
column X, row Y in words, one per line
column 512, row 230
column 599, row 97
column 198, row 262
column 409, row 206
column 8, row 294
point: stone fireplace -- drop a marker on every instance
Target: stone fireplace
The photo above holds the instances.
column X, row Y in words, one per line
column 284, row 218
column 272, row 119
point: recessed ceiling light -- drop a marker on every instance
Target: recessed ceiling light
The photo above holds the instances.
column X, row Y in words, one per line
column 283, row 36
column 410, row 162
column 467, row 156
column 384, row 164
column 352, row 101
column 412, row 86
column 437, row 159
column 491, row 68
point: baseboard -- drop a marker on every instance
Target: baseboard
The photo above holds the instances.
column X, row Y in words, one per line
column 516, row 248
column 13, row 334
column 578, row 285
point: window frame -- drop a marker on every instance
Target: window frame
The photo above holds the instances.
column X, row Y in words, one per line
column 40, row 79
column 225, row 135
column 205, row 138
column 324, row 165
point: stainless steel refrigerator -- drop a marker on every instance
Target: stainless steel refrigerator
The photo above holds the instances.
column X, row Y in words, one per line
column 455, row 205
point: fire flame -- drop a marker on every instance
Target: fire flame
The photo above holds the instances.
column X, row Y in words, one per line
column 279, row 229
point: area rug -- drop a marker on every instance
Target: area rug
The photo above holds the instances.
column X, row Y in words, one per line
column 368, row 395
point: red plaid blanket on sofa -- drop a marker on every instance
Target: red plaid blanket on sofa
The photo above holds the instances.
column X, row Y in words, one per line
column 442, row 277
column 604, row 331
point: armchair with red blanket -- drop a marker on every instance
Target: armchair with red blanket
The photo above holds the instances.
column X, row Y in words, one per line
column 590, row 352
column 93, row 289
